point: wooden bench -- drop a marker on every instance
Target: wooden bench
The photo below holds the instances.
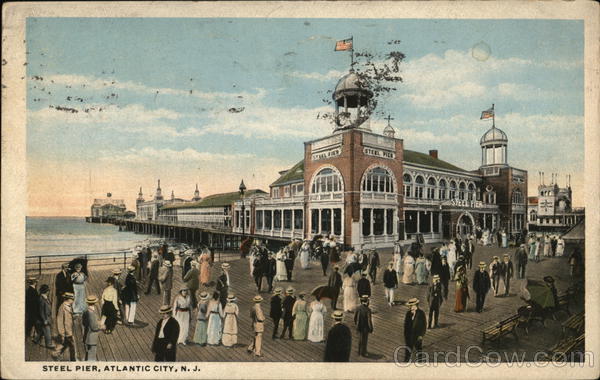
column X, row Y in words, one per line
column 566, row 346
column 575, row 323
column 527, row 315
column 564, row 301
column 502, row 328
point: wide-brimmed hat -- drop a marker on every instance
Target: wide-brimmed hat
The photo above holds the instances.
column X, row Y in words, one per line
column 167, row 264
column 225, row 266
column 289, row 290
column 165, row 309
column 131, row 268
column 257, row 299
column 506, row 255
column 364, row 274
column 231, row 297
column 436, row 276
column 204, row 296
column 31, row 280
column 549, row 279
column 183, row 288
column 412, row 302
column 364, row 298
column 301, row 293
column 336, row 267
column 68, row 295
column 338, row 315
column 496, row 258
column 91, row 299
column 116, row 271
column 278, row 291
column 482, row 263
column 44, row 288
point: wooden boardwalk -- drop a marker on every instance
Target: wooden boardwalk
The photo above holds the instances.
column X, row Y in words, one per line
column 457, row 329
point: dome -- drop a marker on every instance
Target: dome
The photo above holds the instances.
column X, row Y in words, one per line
column 351, row 84
column 389, row 131
column 493, row 135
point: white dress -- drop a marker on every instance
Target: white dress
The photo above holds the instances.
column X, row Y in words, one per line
column 409, row 270
column 281, row 274
column 316, row 323
column 451, row 257
column 398, row 263
column 304, row 255
column 560, row 247
column 350, row 294
column 182, row 316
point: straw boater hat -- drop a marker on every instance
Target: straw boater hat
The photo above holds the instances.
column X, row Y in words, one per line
column 204, row 296
column 278, row 291
column 131, row 268
column 183, row 288
column 506, row 255
column 167, row 264
column 257, row 299
column 164, row 309
column 91, row 299
column 338, row 315
column 44, row 288
column 31, row 280
column 116, row 271
column 68, row 295
column 336, row 266
column 364, row 298
column 496, row 258
column 436, row 276
column 231, row 297
column 482, row 263
column 225, row 266
column 391, row 263
column 301, row 293
column 412, row 302
column 65, row 266
column 289, row 290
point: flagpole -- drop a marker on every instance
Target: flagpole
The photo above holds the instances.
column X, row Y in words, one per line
column 352, row 54
column 493, row 117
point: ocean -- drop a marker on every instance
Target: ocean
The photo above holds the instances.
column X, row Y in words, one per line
column 72, row 235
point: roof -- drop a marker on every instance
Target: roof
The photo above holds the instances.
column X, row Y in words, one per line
column 351, row 84
column 418, row 158
column 296, row 173
column 493, row 135
column 533, row 200
column 577, row 232
column 215, row 200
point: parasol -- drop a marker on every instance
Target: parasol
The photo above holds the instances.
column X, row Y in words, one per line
column 79, row 260
column 538, row 292
column 323, row 291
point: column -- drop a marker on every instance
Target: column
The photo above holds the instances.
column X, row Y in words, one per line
column 272, row 224
column 431, row 222
column 319, row 222
column 293, row 221
column 331, row 221
column 418, row 222
column 385, row 212
column 372, row 222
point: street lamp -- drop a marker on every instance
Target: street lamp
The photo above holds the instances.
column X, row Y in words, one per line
column 243, row 218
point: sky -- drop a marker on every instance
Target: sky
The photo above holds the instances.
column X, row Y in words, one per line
column 113, row 104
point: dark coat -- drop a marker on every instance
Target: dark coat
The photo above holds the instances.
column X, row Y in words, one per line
column 335, row 282
column 275, row 311
column 362, row 319
column 436, row 262
column 169, row 256
column 222, row 285
column 507, row 269
column 45, row 316
column 363, row 286
column 187, row 265
column 62, row 285
column 339, row 343
column 414, row 328
column 129, row 293
column 154, row 269
column 481, row 282
column 32, row 304
column 271, row 267
column 287, row 305
column 434, row 295
column 374, row 260
column 445, row 273
column 390, row 279
column 171, row 333
column 258, row 269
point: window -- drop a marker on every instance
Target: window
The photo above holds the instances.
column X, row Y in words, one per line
column 275, row 192
column 407, row 179
column 268, row 218
column 286, row 191
column 327, row 181
column 247, row 217
column 237, row 219
column 419, row 187
column 287, row 219
column 337, row 221
column 314, row 221
column 259, row 219
column 389, row 220
column 326, row 221
column 442, row 191
column 532, row 216
column 436, row 221
column 378, row 221
column 298, row 219
column 471, row 193
column 461, row 191
column 431, row 188
column 277, row 219
column 378, row 180
column 366, row 222
column 452, row 190
column 517, row 197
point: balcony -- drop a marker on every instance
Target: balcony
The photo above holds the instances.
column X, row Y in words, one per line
column 369, row 195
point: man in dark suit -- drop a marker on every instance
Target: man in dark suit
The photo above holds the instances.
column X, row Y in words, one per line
column 339, row 340
column 89, row 320
column 415, row 326
column 290, row 257
column 445, row 276
column 390, row 282
column 144, row 258
column 62, row 285
column 271, row 270
column 118, row 287
column 286, row 307
column 257, row 271
column 521, row 260
column 495, row 272
column 223, row 284
column 364, row 325
column 374, row 264
column 45, row 318
column 481, row 285
column 434, row 299
column 276, row 310
column 153, row 276
column 164, row 345
column 507, row 271
column 324, row 256
column 32, row 309
column 335, row 283
column 363, row 286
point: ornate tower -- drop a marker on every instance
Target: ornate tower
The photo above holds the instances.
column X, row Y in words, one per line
column 389, row 131
column 494, row 144
column 196, row 194
column 352, row 95
column 158, row 196
column 140, row 198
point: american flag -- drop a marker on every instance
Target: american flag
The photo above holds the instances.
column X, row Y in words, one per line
column 343, row 45
column 487, row 114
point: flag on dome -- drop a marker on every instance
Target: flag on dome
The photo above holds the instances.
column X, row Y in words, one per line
column 487, row 114
column 343, row 45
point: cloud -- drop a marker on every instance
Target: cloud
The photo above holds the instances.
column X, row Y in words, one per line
column 151, row 154
column 330, row 75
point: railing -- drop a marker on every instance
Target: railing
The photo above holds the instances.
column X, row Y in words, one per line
column 54, row 262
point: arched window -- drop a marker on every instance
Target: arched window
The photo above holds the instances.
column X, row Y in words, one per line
column 419, row 187
column 461, row 191
column 532, row 216
column 490, row 197
column 407, row 179
column 471, row 193
column 431, row 188
column 452, row 190
column 517, row 197
column 327, row 181
column 378, row 180
column 443, row 189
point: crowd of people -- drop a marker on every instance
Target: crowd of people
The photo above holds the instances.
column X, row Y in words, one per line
column 204, row 312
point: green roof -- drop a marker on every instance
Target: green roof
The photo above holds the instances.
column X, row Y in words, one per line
column 417, row 158
column 215, row 200
column 296, row 173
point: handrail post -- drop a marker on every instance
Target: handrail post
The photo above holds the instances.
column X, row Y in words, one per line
column 124, row 259
column 39, row 265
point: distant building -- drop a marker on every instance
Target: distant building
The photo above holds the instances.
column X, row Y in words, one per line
column 107, row 208
column 149, row 210
column 552, row 211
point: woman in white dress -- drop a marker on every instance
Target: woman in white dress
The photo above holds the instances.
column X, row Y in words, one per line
column 215, row 314
column 280, row 272
column 547, row 246
column 409, row 270
column 350, row 294
column 316, row 322
column 182, row 313
column 451, row 257
column 397, row 262
column 252, row 255
column 230, row 324
column 560, row 246
column 305, row 254
column 79, row 279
